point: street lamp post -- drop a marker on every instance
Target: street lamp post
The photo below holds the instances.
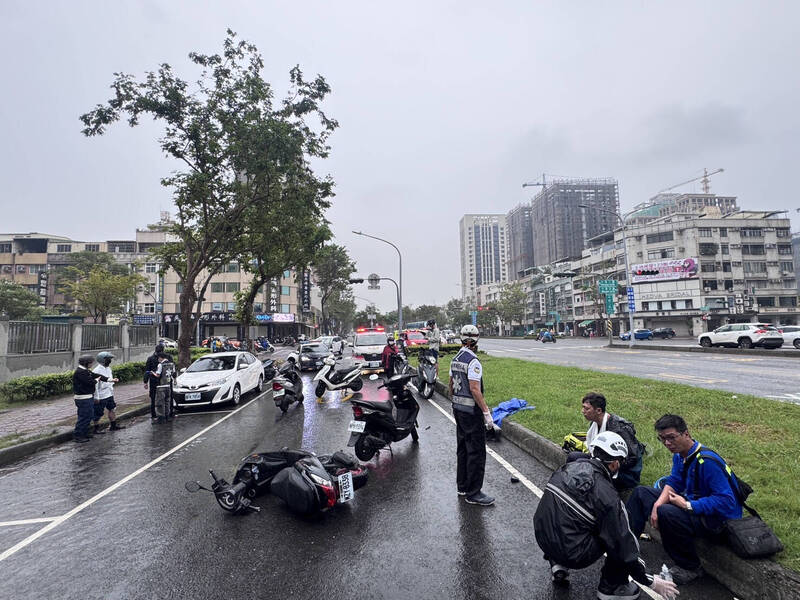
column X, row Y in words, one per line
column 397, row 289
column 400, row 286
column 628, row 283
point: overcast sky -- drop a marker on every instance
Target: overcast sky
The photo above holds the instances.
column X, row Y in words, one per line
column 445, row 108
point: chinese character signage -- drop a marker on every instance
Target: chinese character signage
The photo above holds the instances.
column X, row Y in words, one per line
column 306, row 291
column 42, row 288
column 273, row 295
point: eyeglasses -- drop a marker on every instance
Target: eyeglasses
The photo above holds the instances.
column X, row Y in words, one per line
column 669, row 437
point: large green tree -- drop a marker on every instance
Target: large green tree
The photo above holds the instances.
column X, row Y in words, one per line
column 101, row 292
column 17, row 302
column 341, row 309
column 225, row 130
column 332, row 271
column 511, row 303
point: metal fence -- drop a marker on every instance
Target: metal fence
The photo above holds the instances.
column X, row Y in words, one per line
column 96, row 337
column 30, row 337
column 142, row 335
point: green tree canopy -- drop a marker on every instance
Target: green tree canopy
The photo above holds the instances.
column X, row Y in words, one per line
column 332, row 270
column 101, row 292
column 17, row 302
column 511, row 304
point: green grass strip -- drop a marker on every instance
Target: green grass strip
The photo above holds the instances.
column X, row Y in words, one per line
column 759, row 438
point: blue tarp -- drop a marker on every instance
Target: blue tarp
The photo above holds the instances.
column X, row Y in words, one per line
column 509, row 407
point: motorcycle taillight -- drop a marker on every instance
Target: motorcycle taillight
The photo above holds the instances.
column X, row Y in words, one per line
column 276, row 386
column 330, row 495
column 357, row 411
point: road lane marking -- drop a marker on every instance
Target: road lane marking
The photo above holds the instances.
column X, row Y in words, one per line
column 692, row 378
column 27, row 521
column 59, row 520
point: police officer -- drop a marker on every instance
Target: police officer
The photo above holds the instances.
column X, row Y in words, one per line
column 83, row 387
column 150, row 383
column 472, row 418
column 580, row 517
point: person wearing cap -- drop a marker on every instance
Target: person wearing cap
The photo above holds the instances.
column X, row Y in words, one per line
column 150, row 383
column 580, row 517
column 104, row 394
column 83, row 386
column 472, row 418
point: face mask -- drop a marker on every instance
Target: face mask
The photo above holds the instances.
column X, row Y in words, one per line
column 107, row 362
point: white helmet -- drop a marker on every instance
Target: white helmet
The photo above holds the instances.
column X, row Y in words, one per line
column 469, row 332
column 611, row 444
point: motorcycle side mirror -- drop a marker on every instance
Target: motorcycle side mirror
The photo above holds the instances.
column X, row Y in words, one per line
column 373, row 377
column 194, row 486
column 182, row 370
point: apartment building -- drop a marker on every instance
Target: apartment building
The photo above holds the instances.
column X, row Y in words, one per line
column 484, row 247
column 665, row 204
column 519, row 222
column 24, row 260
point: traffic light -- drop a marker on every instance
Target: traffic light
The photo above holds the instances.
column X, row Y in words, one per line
column 647, row 272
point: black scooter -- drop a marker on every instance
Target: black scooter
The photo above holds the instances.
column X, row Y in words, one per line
column 426, row 373
column 287, row 386
column 375, row 425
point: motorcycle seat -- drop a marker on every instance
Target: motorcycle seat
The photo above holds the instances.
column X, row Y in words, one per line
column 343, row 372
column 382, row 406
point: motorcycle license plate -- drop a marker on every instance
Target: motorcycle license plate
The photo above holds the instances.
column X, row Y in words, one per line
column 346, row 492
column 357, row 426
column 374, row 364
column 193, row 396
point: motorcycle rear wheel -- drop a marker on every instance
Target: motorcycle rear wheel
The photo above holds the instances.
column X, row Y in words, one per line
column 427, row 391
column 364, row 450
column 357, row 384
column 321, row 387
column 284, row 405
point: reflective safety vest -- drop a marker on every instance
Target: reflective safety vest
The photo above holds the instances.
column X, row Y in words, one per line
column 459, row 368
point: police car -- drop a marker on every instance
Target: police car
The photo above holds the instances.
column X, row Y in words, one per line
column 368, row 346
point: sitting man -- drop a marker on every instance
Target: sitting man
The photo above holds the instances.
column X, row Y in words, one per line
column 594, row 411
column 581, row 517
column 696, row 500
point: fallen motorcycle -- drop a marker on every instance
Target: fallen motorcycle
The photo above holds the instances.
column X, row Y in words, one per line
column 307, row 483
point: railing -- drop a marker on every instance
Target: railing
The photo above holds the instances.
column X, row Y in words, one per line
column 96, row 337
column 31, row 337
column 142, row 335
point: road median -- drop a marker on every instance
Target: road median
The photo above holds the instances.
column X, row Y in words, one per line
column 794, row 353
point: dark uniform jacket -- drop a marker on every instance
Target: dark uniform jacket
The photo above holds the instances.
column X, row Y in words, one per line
column 150, row 367
column 581, row 516
column 83, row 381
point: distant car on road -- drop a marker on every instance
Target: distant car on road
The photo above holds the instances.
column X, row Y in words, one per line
column 743, row 335
column 167, row 343
column 666, row 333
column 638, row 334
column 334, row 342
column 312, row 354
column 791, row 335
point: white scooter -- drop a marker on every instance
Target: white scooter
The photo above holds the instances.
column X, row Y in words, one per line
column 330, row 378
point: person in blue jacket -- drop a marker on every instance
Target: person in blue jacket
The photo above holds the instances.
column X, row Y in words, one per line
column 696, row 499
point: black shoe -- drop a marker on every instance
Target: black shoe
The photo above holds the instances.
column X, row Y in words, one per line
column 626, row 591
column 560, row 574
column 115, row 427
column 80, row 439
column 683, row 576
column 161, row 420
column 480, row 499
column 98, row 429
column 460, row 493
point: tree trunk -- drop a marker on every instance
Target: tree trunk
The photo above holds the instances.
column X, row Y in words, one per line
column 187, row 300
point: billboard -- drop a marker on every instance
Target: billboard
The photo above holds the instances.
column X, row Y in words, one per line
column 665, row 270
column 283, row 318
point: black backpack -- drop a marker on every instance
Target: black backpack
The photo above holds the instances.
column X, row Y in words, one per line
column 638, row 448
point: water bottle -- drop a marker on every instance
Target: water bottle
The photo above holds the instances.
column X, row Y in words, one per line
column 665, row 574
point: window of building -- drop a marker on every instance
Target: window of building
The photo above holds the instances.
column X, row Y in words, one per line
column 231, row 306
column 782, row 232
column 232, row 268
column 122, row 247
column 285, row 308
column 753, row 249
column 217, row 287
column 785, row 249
column 152, row 287
column 664, row 236
column 787, row 301
column 178, row 288
column 149, row 308
column 258, row 307
column 286, row 274
column 216, row 306
column 726, row 267
column 787, row 265
column 756, row 284
column 704, row 231
column 92, row 247
column 5, row 248
column 790, row 284
column 151, row 268
column 709, row 284
column 728, row 284
column 723, row 232
column 660, row 253
column 284, row 290
column 755, row 267
column 63, row 247
column 645, row 306
column 37, row 269
column 707, row 267
column 723, row 248
column 765, row 300
column 232, row 286
column 751, row 232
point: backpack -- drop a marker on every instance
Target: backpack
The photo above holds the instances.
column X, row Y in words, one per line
column 637, row 448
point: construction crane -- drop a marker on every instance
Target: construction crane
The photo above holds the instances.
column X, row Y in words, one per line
column 543, row 183
column 704, row 179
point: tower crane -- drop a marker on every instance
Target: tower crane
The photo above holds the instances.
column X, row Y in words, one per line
column 704, row 179
column 543, row 183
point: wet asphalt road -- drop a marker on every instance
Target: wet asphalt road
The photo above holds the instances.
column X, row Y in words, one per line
column 406, row 535
column 766, row 376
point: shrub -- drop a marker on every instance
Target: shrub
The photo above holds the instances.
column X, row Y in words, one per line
column 443, row 349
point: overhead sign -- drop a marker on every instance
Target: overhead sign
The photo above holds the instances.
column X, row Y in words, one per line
column 665, row 270
column 306, row 291
column 607, row 286
column 610, row 304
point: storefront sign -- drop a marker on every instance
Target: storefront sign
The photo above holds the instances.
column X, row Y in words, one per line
column 665, row 270
column 42, row 288
column 667, row 295
column 283, row 317
column 144, row 319
column 306, row 292
column 273, row 294
column 263, row 318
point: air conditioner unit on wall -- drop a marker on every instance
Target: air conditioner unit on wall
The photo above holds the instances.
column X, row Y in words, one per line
column 706, row 289
column 681, row 249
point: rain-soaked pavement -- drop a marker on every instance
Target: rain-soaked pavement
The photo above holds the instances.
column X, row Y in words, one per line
column 406, row 535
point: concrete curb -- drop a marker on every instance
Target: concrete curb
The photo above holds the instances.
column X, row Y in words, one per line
column 794, row 353
column 20, row 451
column 752, row 578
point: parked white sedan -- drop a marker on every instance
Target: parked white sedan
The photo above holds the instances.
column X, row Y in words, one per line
column 791, row 335
column 217, row 378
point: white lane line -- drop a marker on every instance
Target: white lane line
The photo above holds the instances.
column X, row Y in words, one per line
column 526, row 482
column 59, row 520
column 27, row 521
column 506, row 465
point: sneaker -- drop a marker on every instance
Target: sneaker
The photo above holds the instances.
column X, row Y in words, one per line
column 683, row 576
column 626, row 591
column 480, row 499
column 115, row 427
column 560, row 574
column 99, row 430
column 460, row 493
column 80, row 439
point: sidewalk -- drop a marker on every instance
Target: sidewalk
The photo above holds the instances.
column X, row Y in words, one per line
column 37, row 417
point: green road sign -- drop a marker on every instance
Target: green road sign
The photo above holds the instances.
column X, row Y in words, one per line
column 610, row 304
column 607, row 286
